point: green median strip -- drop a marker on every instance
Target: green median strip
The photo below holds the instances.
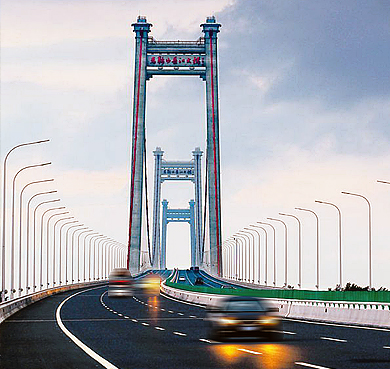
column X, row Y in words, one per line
column 326, row 296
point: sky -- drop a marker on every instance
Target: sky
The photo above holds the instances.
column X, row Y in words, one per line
column 304, row 92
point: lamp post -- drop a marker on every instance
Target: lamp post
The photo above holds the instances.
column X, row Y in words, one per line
column 72, row 252
column 20, row 232
column 34, row 238
column 285, row 249
column 248, row 231
column 299, row 247
column 28, row 236
column 54, row 250
column 78, row 251
column 340, row 248
column 92, row 260
column 60, row 252
column 240, row 266
column 265, row 252
column 66, row 250
column 47, row 247
column 98, row 257
column 317, row 245
column 85, row 254
column 274, row 248
column 3, row 292
column 13, row 221
column 369, row 235
column 247, row 270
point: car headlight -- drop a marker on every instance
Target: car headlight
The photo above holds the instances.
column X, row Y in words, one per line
column 269, row 320
column 227, row 321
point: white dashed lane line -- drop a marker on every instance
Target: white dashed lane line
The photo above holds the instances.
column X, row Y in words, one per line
column 180, row 334
column 170, row 311
column 192, row 316
column 180, row 314
column 333, row 339
column 311, row 365
column 250, row 351
column 290, row 333
column 204, row 340
column 146, row 324
column 386, row 347
column 159, row 328
column 134, row 320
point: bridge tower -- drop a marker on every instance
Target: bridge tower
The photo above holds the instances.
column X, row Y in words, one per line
column 177, row 171
column 178, row 215
column 196, row 58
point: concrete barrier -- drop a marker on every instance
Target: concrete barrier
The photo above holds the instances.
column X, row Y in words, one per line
column 11, row 307
column 355, row 313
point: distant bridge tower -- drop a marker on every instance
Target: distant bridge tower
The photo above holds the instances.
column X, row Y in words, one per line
column 177, row 215
column 197, row 58
column 177, row 171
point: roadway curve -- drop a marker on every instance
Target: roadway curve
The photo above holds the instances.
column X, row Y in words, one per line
column 157, row 332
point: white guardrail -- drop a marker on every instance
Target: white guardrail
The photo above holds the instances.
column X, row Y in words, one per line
column 357, row 313
column 11, row 307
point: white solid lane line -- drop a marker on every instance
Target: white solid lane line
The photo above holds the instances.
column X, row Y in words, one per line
column 333, row 339
column 250, row 351
column 179, row 334
column 79, row 343
column 311, row 365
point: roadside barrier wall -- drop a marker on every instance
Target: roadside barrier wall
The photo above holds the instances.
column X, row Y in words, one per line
column 375, row 314
column 11, row 307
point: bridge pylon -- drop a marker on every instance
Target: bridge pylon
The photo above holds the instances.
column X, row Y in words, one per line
column 187, row 58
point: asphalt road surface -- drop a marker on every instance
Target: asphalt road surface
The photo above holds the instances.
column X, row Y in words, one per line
column 157, row 332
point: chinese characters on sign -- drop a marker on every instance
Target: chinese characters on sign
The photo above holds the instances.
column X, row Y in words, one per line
column 176, row 60
column 178, row 171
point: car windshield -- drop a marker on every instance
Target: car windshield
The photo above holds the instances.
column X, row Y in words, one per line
column 244, row 305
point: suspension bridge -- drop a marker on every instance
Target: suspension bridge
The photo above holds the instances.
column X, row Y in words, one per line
column 54, row 307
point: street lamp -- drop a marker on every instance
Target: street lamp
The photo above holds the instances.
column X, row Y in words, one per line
column 92, row 260
column 247, row 230
column 54, row 246
column 72, row 251
column 28, row 237
column 299, row 247
column 13, row 221
column 66, row 249
column 78, row 251
column 47, row 244
column 60, row 251
column 274, row 230
column 340, row 249
column 285, row 249
column 369, row 235
column 34, row 235
column 47, row 247
column 54, row 250
column 317, row 244
column 3, row 292
column 265, row 252
column 98, row 257
column 20, row 232
column 247, row 269
column 85, row 254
